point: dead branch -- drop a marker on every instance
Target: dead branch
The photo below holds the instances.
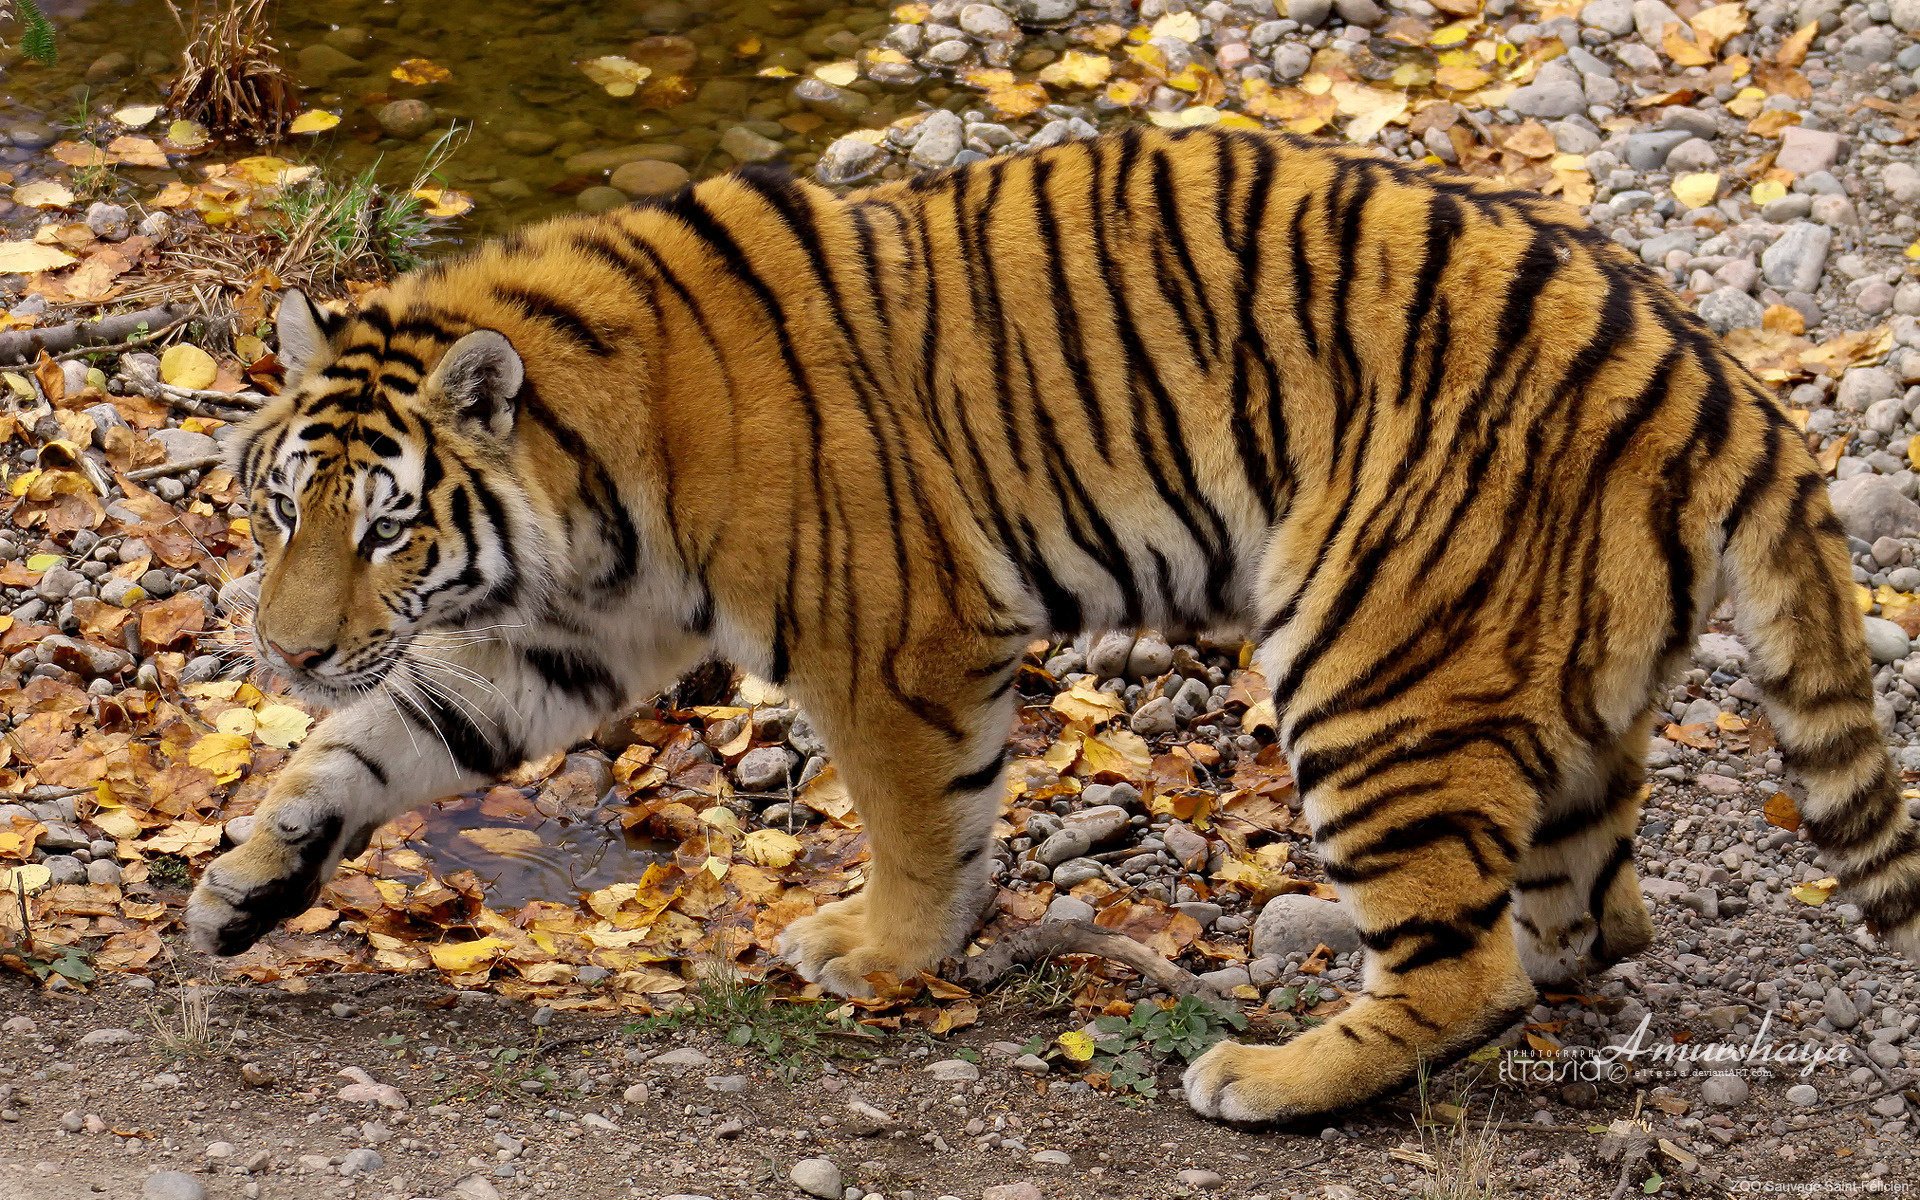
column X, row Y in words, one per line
column 200, row 463
column 137, row 342
column 1053, row 938
column 200, row 402
column 23, row 345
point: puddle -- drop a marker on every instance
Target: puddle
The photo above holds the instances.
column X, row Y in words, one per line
column 542, row 131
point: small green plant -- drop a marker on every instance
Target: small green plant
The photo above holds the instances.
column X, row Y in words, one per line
column 1129, row 1051
column 1044, row 987
column 168, row 871
column 359, row 227
column 70, row 962
column 36, row 32
column 790, row 1035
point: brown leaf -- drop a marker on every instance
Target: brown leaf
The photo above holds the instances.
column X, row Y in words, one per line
column 164, row 623
column 1781, row 812
column 1793, row 51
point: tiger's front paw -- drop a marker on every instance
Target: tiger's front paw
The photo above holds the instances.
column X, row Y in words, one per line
column 275, row 875
column 836, row 949
column 1232, row 1082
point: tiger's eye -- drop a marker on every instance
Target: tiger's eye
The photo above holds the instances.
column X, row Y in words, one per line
column 387, row 529
column 283, row 508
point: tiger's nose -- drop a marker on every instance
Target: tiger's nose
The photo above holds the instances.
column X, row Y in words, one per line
column 303, row 659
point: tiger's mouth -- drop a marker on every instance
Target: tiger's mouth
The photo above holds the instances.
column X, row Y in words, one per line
column 340, row 682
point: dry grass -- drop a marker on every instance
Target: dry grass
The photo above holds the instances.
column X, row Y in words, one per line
column 1461, row 1156
column 187, row 1032
column 231, row 79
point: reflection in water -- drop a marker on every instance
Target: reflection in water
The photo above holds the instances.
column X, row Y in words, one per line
column 521, row 854
column 545, row 138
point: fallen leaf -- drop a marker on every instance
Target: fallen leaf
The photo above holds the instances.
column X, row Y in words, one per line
column 1817, row 892
column 620, row 76
column 771, row 847
column 1697, row 190
column 1077, row 69
column 314, row 120
column 497, row 839
column 188, row 366
column 1675, row 44
column 29, row 878
column 420, row 71
column 224, row 755
column 1781, row 812
column 1076, row 1044
column 43, row 193
column 460, row 957
column 444, row 202
column 839, row 74
column 1793, row 51
column 188, row 135
column 25, row 258
column 134, row 116
column 281, row 725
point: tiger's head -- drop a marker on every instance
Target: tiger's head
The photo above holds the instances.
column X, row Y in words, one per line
column 383, row 501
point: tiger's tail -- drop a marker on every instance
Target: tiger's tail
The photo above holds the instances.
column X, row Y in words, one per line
column 1786, row 566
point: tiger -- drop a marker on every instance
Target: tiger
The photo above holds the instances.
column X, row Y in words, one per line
column 1467, row 476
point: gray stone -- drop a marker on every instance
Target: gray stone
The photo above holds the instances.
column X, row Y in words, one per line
column 1804, row 151
column 1068, row 908
column 1648, row 151
column 1550, row 100
column 1296, row 923
column 108, row 222
column 172, row 1185
column 1803, row 1095
column 1886, row 642
column 1612, row 16
column 1188, row 848
column 1906, row 15
column 1310, row 13
column 103, row 871
column 1200, row 1180
column 1068, row 843
column 1694, row 154
column 685, row 1058
column 1724, row 1091
column 109, row 1037
column 319, row 63
column 1155, row 718
column 1291, row 61
column 1725, row 309
column 847, row 160
column 1100, row 822
column 864, row 1120
column 361, row 1162
column 953, row 1070
column 64, row 869
column 1650, row 18
column 1840, row 1010
column 1360, row 12
column 940, row 136
column 406, row 119
column 764, row 768
column 1720, row 651
column 985, row 21
column 1863, row 387
column 1798, row 257
column 645, row 178
column 747, row 146
column 1078, row 871
column 1150, row 657
column 1044, row 12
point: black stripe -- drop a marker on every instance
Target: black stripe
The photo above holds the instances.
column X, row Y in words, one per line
column 974, row 780
column 557, row 313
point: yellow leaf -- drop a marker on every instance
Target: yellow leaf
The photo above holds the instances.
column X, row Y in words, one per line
column 25, row 258
column 1793, row 51
column 1191, row 117
column 1082, row 702
column 1816, row 893
column 28, row 878
column 1913, row 251
column 1697, row 190
column 1747, row 104
column 314, row 120
column 1183, row 26
column 1713, row 26
column 839, row 74
column 420, row 72
column 620, row 76
column 188, row 366
column 239, row 722
column 1077, row 68
column 136, row 115
column 43, row 193
column 457, row 958
column 1461, row 79
column 497, row 839
column 444, row 202
column 1455, row 34
column 1683, row 52
column 771, row 847
column 282, row 725
column 187, row 135
column 43, row 562
column 224, row 754
column 912, row 14
column 776, row 72
column 184, row 837
column 1781, row 812
column 1767, row 191
column 1076, row 1044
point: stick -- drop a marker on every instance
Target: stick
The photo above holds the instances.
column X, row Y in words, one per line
column 197, row 400
column 1041, row 942
column 132, row 343
column 177, row 468
column 23, row 345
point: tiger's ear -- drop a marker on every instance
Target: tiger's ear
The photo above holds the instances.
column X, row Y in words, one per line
column 478, row 379
column 305, row 330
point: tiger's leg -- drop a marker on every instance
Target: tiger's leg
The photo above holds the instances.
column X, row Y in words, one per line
column 928, row 801
column 424, row 734
column 1423, row 850
column 1577, row 902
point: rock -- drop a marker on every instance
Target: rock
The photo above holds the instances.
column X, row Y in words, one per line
column 1150, row 658
column 1099, row 823
column 599, row 198
column 1291, row 61
column 1886, row 642
column 1863, row 387
column 985, row 21
column 475, row 1187
column 1044, row 12
column 1906, row 15
column 1648, row 151
column 172, row 1185
column 847, row 160
column 1068, row 908
column 361, row 1162
column 1724, row 1091
column 940, row 136
column 1108, row 656
column 1188, row 848
column 1872, row 507
column 1154, row 718
column 864, row 1120
column 685, row 1058
column 1804, row 151
column 1612, row 16
column 1549, row 100
column 1295, row 924
column 1075, row 872
column 319, row 63
column 1694, row 154
column 1014, row 1191
column 1031, row 1064
column 1803, row 1095
column 1310, row 13
column 109, row 1037
column 648, row 178
column 182, row 445
column 1200, row 1180
column 1720, row 651
column 953, row 1070
column 1359, row 12
column 1068, row 843
column 1840, row 1009
column 1650, row 19
column 817, row 1177
column 764, row 768
column 637, row 1093
column 108, row 222
column 86, row 658
column 748, row 146
column 1798, row 257
column 406, row 119
column 1726, row 309
column 64, row 869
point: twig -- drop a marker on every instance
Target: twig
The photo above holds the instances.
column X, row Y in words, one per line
column 1041, row 942
column 22, row 345
column 132, row 343
column 197, row 400
column 177, row 468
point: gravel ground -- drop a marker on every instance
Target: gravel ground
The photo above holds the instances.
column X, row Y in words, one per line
column 101, row 1089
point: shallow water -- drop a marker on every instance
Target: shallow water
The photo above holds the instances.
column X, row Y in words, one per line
column 537, row 120
column 573, row 855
